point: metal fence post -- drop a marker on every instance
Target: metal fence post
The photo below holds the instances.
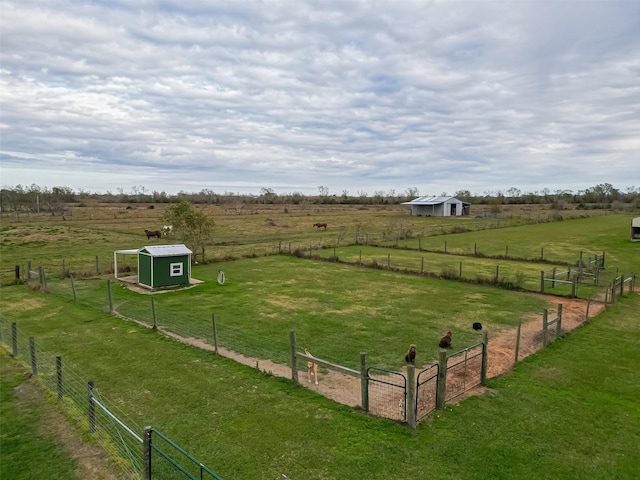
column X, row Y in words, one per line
column 441, row 392
column 146, row 453
column 110, row 296
column 215, row 333
column 34, row 363
column 153, row 313
column 14, row 339
column 518, row 339
column 92, row 407
column 485, row 357
column 59, row 376
column 364, row 381
column 73, row 288
column 294, row 361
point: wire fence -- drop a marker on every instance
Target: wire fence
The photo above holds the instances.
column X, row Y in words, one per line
column 108, row 426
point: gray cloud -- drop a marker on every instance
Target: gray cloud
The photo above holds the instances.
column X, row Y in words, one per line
column 357, row 96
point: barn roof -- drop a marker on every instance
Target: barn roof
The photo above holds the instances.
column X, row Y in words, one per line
column 430, row 200
column 166, row 250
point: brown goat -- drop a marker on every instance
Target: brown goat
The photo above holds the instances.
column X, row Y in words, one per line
column 410, row 356
column 445, row 342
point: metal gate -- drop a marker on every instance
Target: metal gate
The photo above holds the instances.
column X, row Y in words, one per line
column 387, row 392
column 464, row 370
column 426, row 391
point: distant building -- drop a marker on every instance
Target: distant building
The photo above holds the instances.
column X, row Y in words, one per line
column 438, row 207
column 635, row 229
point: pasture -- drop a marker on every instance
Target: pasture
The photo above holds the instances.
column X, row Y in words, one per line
column 245, row 423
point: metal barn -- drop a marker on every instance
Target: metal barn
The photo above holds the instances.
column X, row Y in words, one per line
column 163, row 266
column 438, row 207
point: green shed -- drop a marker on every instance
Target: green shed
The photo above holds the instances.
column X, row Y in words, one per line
column 163, row 266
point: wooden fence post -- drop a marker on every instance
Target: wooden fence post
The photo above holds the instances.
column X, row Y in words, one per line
column 17, row 272
column 485, row 357
column 410, row 401
column 146, row 453
column 294, row 361
column 460, row 275
column 445, row 246
column 92, row 407
column 364, row 381
column 545, row 321
column 506, row 252
column 553, row 277
column 97, row 265
column 475, row 248
column 559, row 327
column 32, row 350
column 441, row 392
column 518, row 339
column 574, row 286
column 215, row 333
column 388, row 260
column 422, row 265
column 497, row 273
column 59, row 377
column 420, row 244
column 542, row 253
column 541, row 281
column 360, row 261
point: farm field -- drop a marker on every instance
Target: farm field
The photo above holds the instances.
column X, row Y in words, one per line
column 245, row 423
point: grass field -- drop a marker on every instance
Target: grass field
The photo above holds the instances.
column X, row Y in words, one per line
column 568, row 412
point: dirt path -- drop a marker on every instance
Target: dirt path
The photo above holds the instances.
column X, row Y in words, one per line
column 346, row 389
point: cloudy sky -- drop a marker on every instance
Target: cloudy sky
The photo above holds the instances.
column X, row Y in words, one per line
column 362, row 96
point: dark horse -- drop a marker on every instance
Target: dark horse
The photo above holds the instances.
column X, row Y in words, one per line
column 154, row 233
column 320, row 225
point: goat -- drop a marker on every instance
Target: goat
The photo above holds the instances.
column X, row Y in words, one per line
column 445, row 342
column 410, row 356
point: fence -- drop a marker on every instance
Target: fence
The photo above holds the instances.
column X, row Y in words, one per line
column 508, row 273
column 402, row 397
column 135, row 456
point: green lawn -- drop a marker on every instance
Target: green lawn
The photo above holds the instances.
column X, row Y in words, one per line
column 27, row 449
column 336, row 310
column 569, row 412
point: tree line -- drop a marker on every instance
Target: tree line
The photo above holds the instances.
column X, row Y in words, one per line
column 43, row 199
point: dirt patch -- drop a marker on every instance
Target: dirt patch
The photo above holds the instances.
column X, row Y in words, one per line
column 92, row 461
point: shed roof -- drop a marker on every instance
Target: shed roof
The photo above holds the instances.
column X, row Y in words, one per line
column 635, row 222
column 166, row 250
column 430, row 200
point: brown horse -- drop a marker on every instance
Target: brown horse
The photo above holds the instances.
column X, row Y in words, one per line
column 320, row 225
column 153, row 233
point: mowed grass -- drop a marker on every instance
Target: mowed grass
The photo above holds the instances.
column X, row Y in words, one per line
column 336, row 310
column 568, row 412
column 27, row 449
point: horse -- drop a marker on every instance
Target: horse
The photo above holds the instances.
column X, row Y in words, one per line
column 320, row 225
column 153, row 233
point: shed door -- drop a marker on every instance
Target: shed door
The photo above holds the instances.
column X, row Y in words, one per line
column 453, row 209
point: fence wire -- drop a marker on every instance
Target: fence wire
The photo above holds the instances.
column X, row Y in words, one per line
column 68, row 386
